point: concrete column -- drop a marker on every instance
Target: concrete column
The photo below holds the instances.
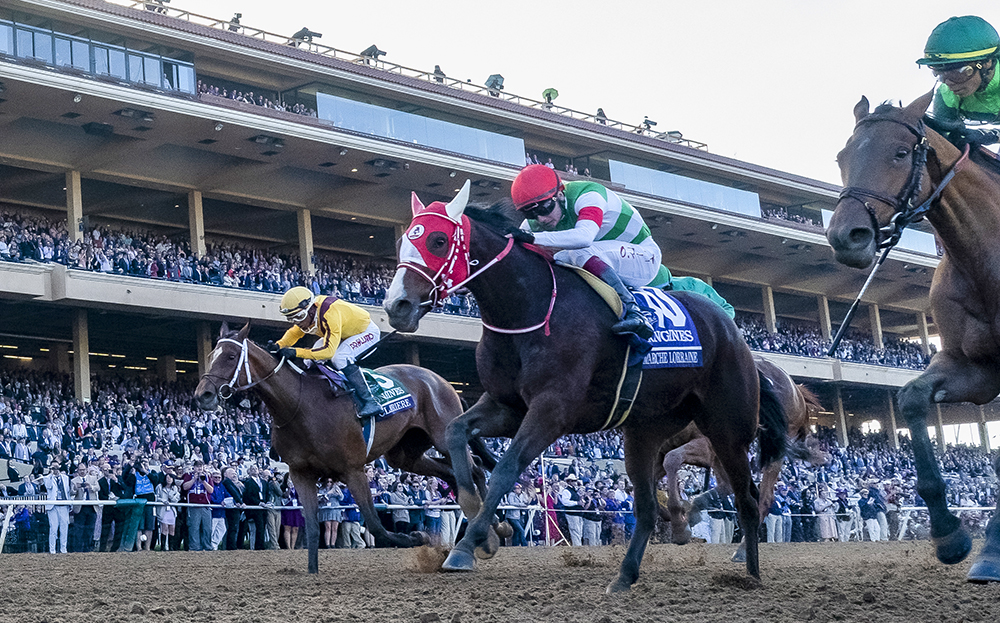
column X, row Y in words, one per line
column 59, row 358
column 204, row 340
column 412, row 353
column 166, row 368
column 74, row 205
column 838, row 410
column 770, row 318
column 196, row 223
column 925, row 344
column 984, row 437
column 825, row 324
column 306, row 241
column 876, row 324
column 939, row 428
column 893, row 432
column 81, row 356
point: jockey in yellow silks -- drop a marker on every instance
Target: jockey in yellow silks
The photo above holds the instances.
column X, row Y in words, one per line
column 344, row 331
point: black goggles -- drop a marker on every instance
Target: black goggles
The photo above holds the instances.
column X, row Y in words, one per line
column 542, row 208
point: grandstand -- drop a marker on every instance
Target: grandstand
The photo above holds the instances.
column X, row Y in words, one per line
column 236, row 163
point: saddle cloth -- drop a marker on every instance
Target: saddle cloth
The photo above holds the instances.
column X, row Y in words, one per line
column 389, row 393
column 675, row 342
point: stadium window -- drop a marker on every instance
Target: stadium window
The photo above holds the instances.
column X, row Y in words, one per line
column 6, row 39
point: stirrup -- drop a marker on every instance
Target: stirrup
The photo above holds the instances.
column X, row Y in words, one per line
column 634, row 322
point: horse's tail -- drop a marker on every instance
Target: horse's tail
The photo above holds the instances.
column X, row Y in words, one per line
column 773, row 430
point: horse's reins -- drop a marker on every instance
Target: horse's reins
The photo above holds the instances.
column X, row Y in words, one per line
column 904, row 211
column 227, row 389
column 439, row 291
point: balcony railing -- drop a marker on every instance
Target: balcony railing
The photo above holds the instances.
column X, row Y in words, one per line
column 317, row 48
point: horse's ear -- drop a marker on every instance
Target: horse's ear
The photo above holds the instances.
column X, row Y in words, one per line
column 244, row 332
column 456, row 206
column 861, row 109
column 224, row 330
column 918, row 107
column 415, row 204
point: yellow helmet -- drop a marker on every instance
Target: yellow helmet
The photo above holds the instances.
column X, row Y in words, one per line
column 296, row 302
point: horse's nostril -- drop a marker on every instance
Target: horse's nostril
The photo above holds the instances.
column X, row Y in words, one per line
column 861, row 236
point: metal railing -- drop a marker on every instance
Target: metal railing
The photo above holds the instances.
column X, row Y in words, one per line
column 331, row 52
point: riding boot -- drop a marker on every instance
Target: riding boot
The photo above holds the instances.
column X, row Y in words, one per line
column 367, row 407
column 634, row 320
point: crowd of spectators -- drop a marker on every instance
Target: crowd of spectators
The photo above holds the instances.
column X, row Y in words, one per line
column 27, row 237
column 137, row 427
column 805, row 340
column 784, row 215
column 256, row 99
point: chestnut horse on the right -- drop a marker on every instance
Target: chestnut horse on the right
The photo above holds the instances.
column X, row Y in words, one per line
column 892, row 163
column 690, row 447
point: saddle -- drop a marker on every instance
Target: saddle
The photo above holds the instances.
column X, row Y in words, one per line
column 389, row 393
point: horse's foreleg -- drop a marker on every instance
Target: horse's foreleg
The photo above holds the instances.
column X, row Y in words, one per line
column 487, row 418
column 305, row 484
column 357, row 483
column 987, row 565
column 529, row 442
column 945, row 380
column 640, row 465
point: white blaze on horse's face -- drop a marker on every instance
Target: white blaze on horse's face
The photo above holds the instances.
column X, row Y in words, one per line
column 214, row 355
column 397, row 291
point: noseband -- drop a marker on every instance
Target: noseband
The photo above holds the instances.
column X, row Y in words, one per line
column 228, row 388
column 904, row 212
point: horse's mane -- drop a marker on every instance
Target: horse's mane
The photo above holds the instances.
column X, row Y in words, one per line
column 499, row 216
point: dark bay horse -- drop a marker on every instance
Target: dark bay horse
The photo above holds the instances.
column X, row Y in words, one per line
column 319, row 435
column 892, row 162
column 690, row 447
column 551, row 366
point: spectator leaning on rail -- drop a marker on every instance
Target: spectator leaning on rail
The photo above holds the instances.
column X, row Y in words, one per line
column 962, row 53
column 344, row 330
column 592, row 227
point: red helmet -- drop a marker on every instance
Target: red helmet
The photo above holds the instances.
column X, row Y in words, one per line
column 535, row 182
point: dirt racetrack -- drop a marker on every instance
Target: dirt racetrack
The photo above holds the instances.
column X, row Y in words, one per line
column 802, row 582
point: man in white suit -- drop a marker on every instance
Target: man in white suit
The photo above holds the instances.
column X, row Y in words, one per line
column 57, row 488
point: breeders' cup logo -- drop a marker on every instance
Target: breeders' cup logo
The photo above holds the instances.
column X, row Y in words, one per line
column 415, row 232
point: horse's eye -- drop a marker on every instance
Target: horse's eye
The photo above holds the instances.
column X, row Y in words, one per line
column 437, row 243
column 901, row 153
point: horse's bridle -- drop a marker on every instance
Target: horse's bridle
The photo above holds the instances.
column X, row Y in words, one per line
column 228, row 388
column 904, row 212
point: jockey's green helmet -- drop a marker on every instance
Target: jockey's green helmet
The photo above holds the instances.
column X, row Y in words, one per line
column 535, row 183
column 296, row 302
column 961, row 39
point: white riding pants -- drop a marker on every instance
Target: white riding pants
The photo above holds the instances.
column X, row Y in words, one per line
column 352, row 346
column 636, row 264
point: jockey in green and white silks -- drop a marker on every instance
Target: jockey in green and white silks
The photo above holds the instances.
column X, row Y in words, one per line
column 962, row 53
column 590, row 226
column 619, row 225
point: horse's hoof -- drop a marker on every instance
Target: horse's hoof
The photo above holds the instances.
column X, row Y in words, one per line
column 680, row 537
column 953, row 548
column 420, row 538
column 985, row 569
column 503, row 530
column 618, row 586
column 459, row 560
column 739, row 555
column 490, row 547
